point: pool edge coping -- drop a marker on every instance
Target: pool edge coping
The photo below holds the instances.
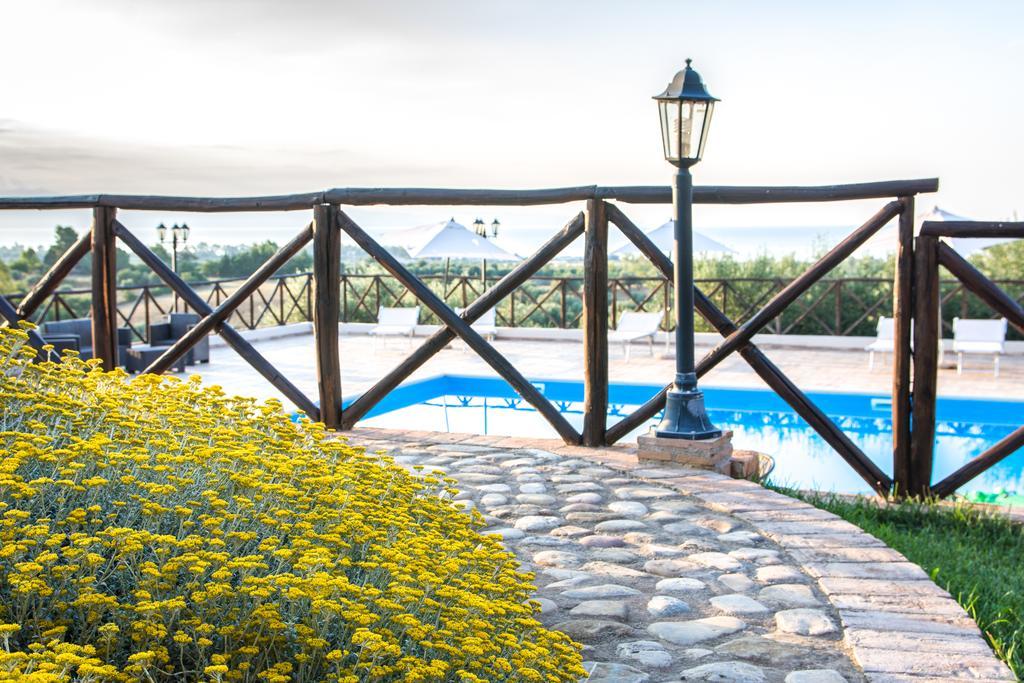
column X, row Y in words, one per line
column 947, row 643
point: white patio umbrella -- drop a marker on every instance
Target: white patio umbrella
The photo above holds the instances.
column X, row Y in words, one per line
column 450, row 240
column 664, row 237
column 886, row 238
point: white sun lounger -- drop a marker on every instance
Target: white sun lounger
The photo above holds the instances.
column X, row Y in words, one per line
column 978, row 336
column 884, row 342
column 634, row 326
column 396, row 322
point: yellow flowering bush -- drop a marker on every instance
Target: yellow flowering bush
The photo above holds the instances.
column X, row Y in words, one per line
column 153, row 529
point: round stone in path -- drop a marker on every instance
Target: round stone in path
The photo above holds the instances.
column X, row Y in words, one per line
column 601, row 591
column 779, row 573
column 536, row 499
column 534, row 523
column 533, row 488
column 666, row 606
column 619, row 526
column 696, row 631
column 789, row 595
column 737, row 603
column 587, row 497
column 628, row 508
column 804, row 622
column 603, row 609
column 668, row 567
column 734, row 672
column 612, row 672
column 815, row 676
column 736, row 582
column 646, row 653
column 679, row 584
column 601, row 541
column 493, row 500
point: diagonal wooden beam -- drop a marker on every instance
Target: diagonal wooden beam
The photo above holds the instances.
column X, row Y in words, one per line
column 1001, row 449
column 981, row 286
column 754, row 357
column 218, row 315
column 229, row 334
column 461, row 325
column 801, row 284
column 54, row 276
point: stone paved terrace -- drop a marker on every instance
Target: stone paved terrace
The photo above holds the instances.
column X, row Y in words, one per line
column 674, row 574
column 365, row 359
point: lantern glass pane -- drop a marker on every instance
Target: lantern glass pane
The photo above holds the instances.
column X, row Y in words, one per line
column 704, row 128
column 663, row 111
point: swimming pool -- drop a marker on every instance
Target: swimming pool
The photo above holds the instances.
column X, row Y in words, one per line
column 759, row 419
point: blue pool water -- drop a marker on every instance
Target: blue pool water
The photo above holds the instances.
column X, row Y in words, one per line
column 759, row 419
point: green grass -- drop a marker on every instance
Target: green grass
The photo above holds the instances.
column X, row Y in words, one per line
column 976, row 555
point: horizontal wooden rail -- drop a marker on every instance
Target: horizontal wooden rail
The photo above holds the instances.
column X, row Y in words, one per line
column 230, row 335
column 437, row 341
column 358, row 196
column 970, row 229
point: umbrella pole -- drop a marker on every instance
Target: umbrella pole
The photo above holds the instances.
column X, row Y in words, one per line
column 483, row 275
column 444, row 287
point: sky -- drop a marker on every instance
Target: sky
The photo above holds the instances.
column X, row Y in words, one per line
column 223, row 98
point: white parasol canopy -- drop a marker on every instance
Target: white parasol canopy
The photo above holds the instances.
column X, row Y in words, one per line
column 451, row 240
column 664, row 237
column 886, row 238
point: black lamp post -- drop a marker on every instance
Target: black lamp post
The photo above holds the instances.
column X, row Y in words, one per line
column 178, row 233
column 495, row 224
column 685, row 108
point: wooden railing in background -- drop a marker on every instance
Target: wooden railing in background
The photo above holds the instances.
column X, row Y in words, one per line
column 603, row 205
column 842, row 306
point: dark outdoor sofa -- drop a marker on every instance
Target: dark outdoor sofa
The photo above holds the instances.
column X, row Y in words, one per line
column 77, row 334
column 169, row 332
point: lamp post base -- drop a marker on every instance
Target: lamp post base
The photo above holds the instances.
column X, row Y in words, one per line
column 706, row 454
column 685, row 416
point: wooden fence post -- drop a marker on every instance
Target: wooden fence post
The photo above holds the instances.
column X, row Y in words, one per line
column 104, row 287
column 902, row 313
column 927, row 337
column 326, row 310
column 595, row 324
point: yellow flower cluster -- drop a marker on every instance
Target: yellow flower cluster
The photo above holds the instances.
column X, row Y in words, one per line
column 153, row 529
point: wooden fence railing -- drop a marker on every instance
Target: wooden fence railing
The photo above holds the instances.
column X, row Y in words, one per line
column 833, row 306
column 915, row 294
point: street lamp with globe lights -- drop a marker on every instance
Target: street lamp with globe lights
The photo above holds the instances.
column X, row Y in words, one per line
column 179, row 233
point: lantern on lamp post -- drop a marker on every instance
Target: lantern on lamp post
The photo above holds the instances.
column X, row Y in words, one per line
column 685, row 109
column 179, row 233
